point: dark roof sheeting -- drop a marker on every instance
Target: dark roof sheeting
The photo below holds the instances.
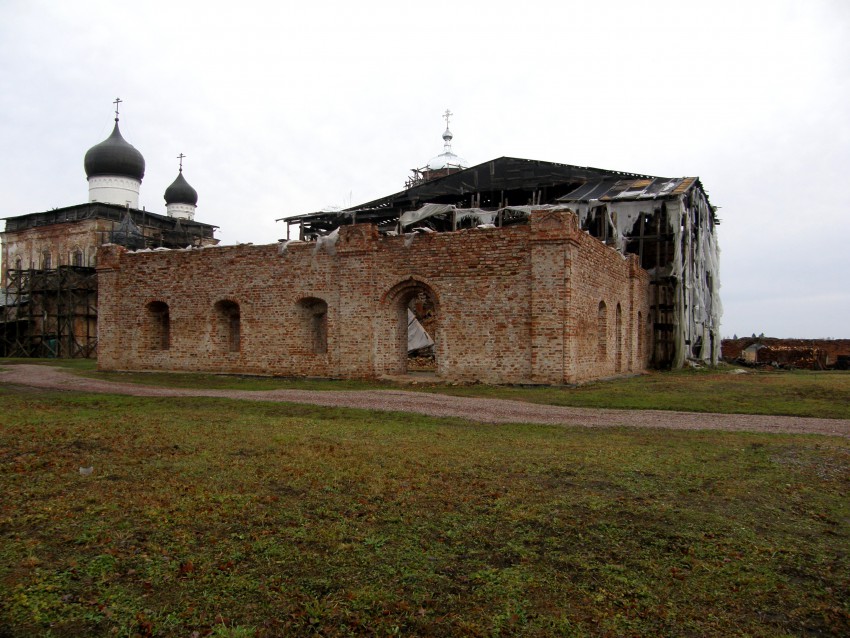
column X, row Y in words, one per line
column 611, row 190
column 100, row 210
column 502, row 174
column 513, row 178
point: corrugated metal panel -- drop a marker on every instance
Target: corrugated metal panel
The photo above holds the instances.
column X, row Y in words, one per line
column 607, row 190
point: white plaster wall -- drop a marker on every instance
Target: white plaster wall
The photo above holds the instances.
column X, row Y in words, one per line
column 114, row 189
column 181, row 211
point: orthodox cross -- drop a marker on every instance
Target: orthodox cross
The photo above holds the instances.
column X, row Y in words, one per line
column 180, row 157
column 116, row 102
column 446, row 117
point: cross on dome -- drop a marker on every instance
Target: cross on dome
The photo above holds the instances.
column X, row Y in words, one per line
column 447, row 159
column 447, row 135
column 116, row 102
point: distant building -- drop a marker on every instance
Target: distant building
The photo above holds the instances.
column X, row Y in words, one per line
column 810, row 354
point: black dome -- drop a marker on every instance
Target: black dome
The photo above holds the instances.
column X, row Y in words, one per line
column 115, row 156
column 180, row 192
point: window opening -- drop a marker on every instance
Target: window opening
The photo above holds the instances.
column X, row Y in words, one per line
column 602, row 331
column 228, row 324
column 314, row 320
column 640, row 339
column 159, row 325
column 618, row 335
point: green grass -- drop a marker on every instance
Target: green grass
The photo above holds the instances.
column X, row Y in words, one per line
column 793, row 393
column 235, row 518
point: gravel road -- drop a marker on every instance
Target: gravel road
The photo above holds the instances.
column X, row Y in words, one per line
column 482, row 410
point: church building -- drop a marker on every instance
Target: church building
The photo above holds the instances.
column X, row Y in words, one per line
column 48, row 301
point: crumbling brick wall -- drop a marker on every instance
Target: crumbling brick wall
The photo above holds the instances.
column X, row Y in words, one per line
column 801, row 353
column 513, row 305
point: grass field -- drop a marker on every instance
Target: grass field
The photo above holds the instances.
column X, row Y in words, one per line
column 225, row 518
column 798, row 393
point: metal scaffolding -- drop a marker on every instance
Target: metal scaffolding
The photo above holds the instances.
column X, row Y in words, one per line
column 49, row 313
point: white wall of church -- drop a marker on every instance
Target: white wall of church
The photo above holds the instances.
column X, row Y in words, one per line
column 181, row 211
column 114, row 189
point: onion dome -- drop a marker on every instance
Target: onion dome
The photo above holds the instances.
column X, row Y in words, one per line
column 180, row 192
column 447, row 159
column 115, row 156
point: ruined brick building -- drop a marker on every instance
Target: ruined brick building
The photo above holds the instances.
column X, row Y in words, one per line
column 807, row 354
column 541, row 302
column 521, row 271
column 48, row 296
column 667, row 223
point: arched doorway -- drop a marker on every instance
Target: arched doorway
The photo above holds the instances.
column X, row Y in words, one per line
column 414, row 311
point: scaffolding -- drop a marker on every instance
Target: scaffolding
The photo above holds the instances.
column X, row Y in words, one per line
column 49, row 313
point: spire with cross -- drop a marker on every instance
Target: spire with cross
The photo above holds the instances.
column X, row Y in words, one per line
column 447, row 135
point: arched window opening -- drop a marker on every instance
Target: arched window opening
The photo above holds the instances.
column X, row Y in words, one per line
column 77, row 258
column 159, row 326
column 18, row 263
column 314, row 324
column 46, row 260
column 602, row 331
column 228, row 325
column 618, row 335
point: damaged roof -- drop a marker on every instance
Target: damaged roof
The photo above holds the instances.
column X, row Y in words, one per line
column 500, row 182
column 612, row 189
column 100, row 210
column 502, row 174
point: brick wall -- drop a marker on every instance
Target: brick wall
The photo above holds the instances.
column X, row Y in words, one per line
column 513, row 305
column 732, row 349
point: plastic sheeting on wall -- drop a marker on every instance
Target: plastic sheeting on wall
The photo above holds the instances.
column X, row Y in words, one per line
column 417, row 338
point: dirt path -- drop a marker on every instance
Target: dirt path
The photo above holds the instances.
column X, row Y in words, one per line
column 483, row 410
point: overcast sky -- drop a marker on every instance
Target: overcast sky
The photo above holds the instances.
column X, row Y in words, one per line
column 283, row 108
